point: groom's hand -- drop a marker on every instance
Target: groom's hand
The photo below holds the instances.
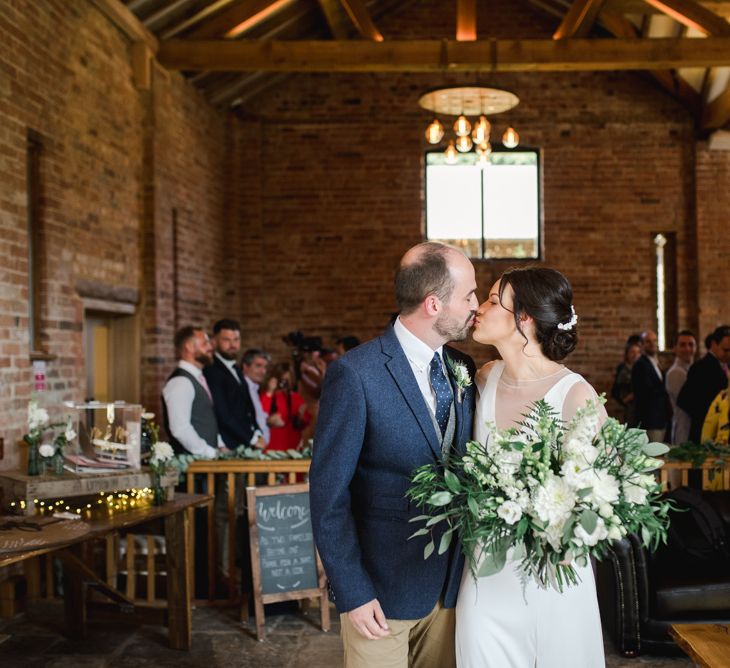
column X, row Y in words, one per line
column 369, row 620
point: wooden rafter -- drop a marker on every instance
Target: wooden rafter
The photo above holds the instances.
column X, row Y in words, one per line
column 236, row 19
column 579, row 19
column 693, row 15
column 437, row 55
column 336, row 17
column 716, row 114
column 466, row 20
column 360, row 16
column 127, row 22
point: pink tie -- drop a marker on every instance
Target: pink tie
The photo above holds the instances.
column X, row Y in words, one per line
column 204, row 383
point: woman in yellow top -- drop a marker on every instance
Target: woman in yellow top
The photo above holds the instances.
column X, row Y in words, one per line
column 717, row 421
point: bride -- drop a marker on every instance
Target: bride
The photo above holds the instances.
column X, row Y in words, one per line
column 501, row 620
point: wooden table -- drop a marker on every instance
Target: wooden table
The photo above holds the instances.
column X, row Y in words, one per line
column 79, row 577
column 708, row 645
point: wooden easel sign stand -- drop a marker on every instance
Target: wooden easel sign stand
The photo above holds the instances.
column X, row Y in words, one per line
column 284, row 561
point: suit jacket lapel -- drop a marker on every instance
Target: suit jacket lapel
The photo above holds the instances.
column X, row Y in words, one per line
column 400, row 369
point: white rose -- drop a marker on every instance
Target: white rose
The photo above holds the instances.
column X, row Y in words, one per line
column 614, row 533
column 510, row 512
column 590, row 539
column 606, row 511
column 37, row 417
column 635, row 493
column 46, row 450
column 604, row 489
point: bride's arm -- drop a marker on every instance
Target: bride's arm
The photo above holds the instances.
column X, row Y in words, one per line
column 577, row 397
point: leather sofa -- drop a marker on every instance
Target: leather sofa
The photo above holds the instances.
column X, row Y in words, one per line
column 642, row 595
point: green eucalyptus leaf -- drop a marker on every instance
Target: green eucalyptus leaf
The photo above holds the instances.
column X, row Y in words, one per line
column 420, row 532
column 655, row 449
column 452, row 482
column 428, row 550
column 440, row 498
column 588, row 520
column 445, row 541
column 436, row 519
column 492, row 563
column 473, row 507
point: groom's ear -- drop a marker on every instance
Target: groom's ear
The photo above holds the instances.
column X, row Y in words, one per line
column 432, row 305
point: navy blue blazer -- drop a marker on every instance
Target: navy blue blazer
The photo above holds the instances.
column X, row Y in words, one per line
column 375, row 428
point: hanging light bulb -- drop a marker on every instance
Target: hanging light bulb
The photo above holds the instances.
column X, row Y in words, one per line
column 464, row 144
column 481, row 130
column 462, row 127
column 483, row 159
column 510, row 138
column 485, row 148
column 434, row 132
column 450, row 154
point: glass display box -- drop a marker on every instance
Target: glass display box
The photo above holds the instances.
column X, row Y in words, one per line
column 108, row 437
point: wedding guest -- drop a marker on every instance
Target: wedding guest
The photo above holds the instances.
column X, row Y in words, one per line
column 716, row 427
column 345, row 343
column 255, row 363
column 705, row 379
column 286, row 409
column 234, row 408
column 188, row 413
column 621, row 390
column 650, row 395
column 685, row 349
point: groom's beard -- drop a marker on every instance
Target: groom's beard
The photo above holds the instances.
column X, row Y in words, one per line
column 453, row 330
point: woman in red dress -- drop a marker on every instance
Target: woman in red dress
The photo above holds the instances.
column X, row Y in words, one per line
column 286, row 409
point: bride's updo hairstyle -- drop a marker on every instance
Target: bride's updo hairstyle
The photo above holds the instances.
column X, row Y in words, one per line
column 547, row 297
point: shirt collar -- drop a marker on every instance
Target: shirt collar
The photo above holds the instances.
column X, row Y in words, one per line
column 190, row 368
column 254, row 386
column 418, row 353
column 229, row 363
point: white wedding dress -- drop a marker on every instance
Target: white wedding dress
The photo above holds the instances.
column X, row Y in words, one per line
column 499, row 622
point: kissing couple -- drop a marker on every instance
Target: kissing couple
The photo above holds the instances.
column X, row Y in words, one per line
column 406, row 399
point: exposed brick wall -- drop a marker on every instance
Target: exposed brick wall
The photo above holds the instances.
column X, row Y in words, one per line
column 713, row 237
column 341, row 193
column 115, row 162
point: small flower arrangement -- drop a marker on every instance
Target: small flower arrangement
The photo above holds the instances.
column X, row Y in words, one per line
column 553, row 494
column 42, row 453
column 161, row 457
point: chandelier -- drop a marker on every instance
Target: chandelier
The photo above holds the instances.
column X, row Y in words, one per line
column 476, row 102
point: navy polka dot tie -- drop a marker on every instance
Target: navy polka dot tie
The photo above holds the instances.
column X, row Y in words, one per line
column 444, row 395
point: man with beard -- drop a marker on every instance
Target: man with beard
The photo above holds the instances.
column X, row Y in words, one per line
column 232, row 401
column 187, row 401
column 387, row 407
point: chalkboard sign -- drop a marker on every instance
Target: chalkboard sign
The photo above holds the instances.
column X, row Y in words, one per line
column 284, row 561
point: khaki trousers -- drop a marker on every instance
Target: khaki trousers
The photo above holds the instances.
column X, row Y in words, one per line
column 414, row 643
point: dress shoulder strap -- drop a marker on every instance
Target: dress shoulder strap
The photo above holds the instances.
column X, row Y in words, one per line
column 556, row 394
column 490, row 391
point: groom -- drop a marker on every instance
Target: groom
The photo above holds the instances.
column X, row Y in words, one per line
column 387, row 407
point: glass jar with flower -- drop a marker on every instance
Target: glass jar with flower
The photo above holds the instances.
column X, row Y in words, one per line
column 52, row 453
column 160, row 459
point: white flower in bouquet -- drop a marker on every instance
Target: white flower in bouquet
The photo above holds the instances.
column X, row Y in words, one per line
column 604, row 488
column 46, row 450
column 510, row 512
column 634, row 493
column 578, row 476
column 37, row 417
column 598, row 534
column 554, row 501
column 162, row 453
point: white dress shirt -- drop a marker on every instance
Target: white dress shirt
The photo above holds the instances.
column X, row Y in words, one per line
column 261, row 416
column 179, row 394
column 231, row 364
column 681, row 421
column 419, row 355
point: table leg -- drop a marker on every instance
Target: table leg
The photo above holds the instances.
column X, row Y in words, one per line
column 177, row 535
column 74, row 598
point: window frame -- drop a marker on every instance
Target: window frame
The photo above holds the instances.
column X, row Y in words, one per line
column 483, row 242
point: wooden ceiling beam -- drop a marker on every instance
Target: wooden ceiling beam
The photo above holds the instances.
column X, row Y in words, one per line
column 693, row 15
column 237, row 19
column 669, row 80
column 572, row 55
column 127, row 22
column 336, row 17
column 360, row 16
column 579, row 19
column 466, row 20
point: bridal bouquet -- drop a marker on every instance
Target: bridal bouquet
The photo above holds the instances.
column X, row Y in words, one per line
column 554, row 494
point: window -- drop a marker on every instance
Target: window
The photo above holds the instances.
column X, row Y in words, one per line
column 34, row 149
column 491, row 211
column 665, row 286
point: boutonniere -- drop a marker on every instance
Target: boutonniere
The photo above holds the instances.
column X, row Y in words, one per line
column 460, row 375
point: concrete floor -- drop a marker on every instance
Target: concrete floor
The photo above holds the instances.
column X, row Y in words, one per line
column 293, row 641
